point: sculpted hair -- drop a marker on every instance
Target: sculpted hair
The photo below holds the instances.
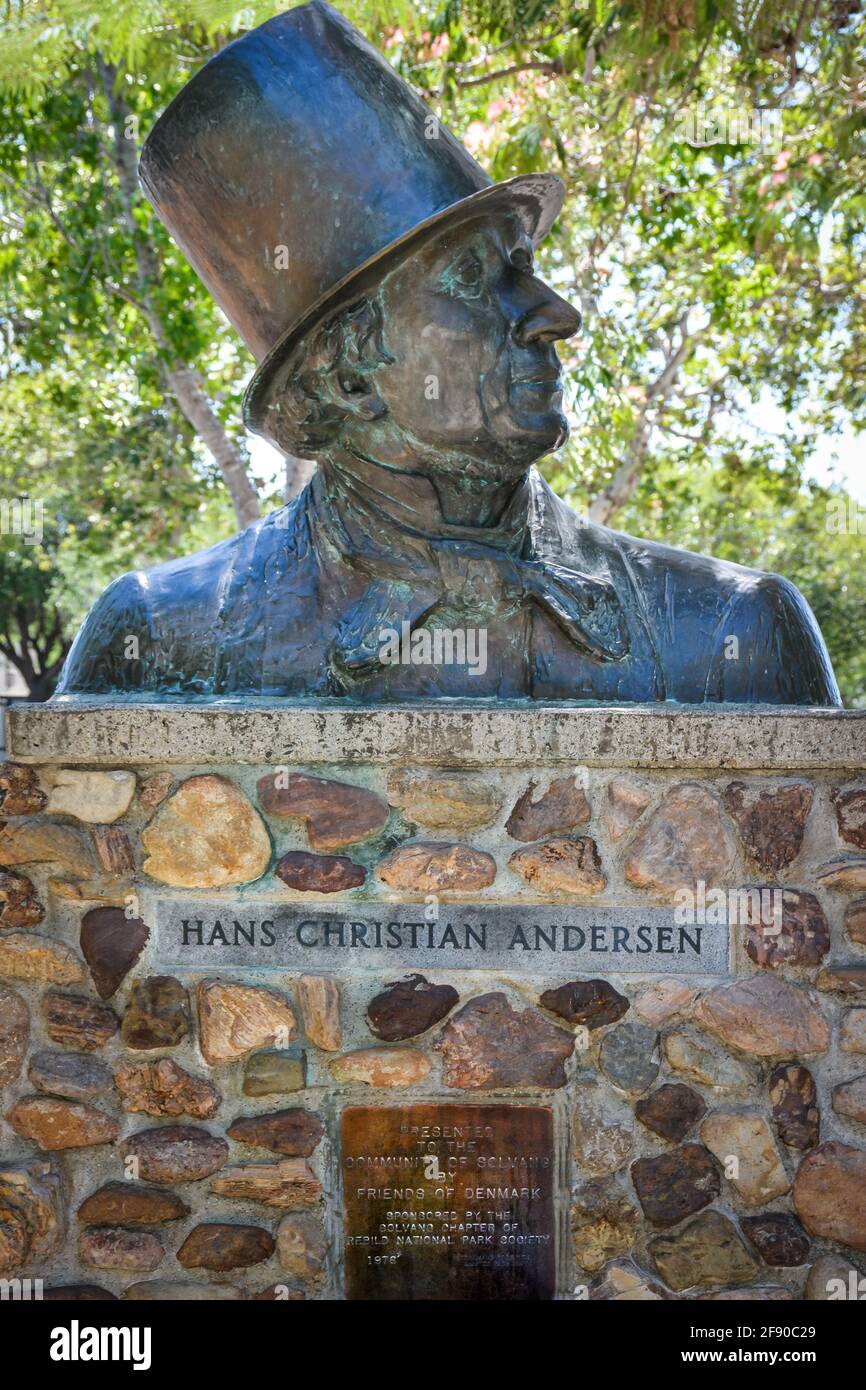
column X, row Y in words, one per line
column 333, row 361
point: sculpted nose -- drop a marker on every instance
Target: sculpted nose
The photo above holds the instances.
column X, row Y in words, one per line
column 549, row 319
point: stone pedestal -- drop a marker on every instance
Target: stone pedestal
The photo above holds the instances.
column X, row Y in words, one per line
column 492, row 1002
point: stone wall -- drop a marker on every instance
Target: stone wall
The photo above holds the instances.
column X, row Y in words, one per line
column 176, row 1132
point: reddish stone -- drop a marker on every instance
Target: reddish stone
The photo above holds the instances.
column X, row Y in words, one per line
column 771, row 824
column 765, row 1016
column 488, row 1044
column 627, row 802
column 175, row 1153
column 20, row 794
column 335, row 813
column 409, row 1007
column 78, row 1293
column 54, row 1124
column 849, row 1099
column 220, row 1246
column 19, row 906
column 32, row 1212
column 295, row 1132
column 14, row 1035
column 561, row 808
column 76, row 1021
column 111, row 943
column 802, row 937
column 157, row 1014
column 164, row 1088
column 130, row 1204
column 830, row 1194
column 561, row 866
column 434, row 867
column 675, row 1185
column 319, row 873
column 794, row 1099
column 671, row 1111
column 154, row 789
column 855, row 921
column 850, row 808
column 585, row 1003
column 113, row 1248
column 683, row 841
column 842, row 979
column 113, row 850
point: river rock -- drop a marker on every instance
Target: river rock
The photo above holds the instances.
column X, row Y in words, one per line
column 663, row 1000
column 319, row 1002
column 702, row 1061
column 623, row 1282
column 603, row 1128
column 154, row 789
column 408, row 1007
column 846, row 871
column 14, row 1035
column 585, row 1003
column 97, row 798
column 335, row 813
column 560, row 808
column 435, row 867
column 842, row 979
column 830, row 1194
column 32, row 1213
column 627, row 802
column 27, row 956
column 157, row 1014
column 274, row 1073
column 706, row 1252
column 164, row 1088
column 778, row 1238
column 111, row 943
column 771, row 823
column 795, row 1105
column 381, row 1066
column 849, row 1099
column 319, row 873
column 850, row 808
column 801, row 937
column 675, row 1185
column 855, row 921
column 629, row 1057
column 683, row 841
column 220, row 1246
column 488, row 1044
column 293, row 1132
column 206, row 835
column 234, row 1019
column 760, row 1174
column 561, row 866
column 830, row 1280
column 113, row 1248
column 113, row 850
column 20, row 793
column 443, row 800
column 19, row 906
column 289, row 1185
column 130, row 1204
column 765, row 1016
column 53, row 1124
column 671, row 1111
column 76, row 1021
column 604, row 1223
column 301, row 1248
column 175, row 1153
column 852, row 1031
column 72, row 1075
column 45, row 844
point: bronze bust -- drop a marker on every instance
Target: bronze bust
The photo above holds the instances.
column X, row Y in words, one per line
column 387, row 290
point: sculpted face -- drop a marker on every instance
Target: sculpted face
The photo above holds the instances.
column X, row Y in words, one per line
column 471, row 330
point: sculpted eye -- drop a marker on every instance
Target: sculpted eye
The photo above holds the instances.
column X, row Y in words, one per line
column 465, row 277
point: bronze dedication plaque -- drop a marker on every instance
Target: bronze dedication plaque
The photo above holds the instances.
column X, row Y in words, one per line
column 449, row 1202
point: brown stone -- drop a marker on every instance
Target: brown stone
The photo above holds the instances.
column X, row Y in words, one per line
column 443, row 800
column 795, row 1105
column 604, row 1223
column 113, row 1248
column 801, row 937
column 757, row 1293
column 585, row 1003
column 709, row 1251
column 78, row 1293
column 76, row 1021
column 54, row 1124
column 842, row 979
column 855, row 921
column 279, row 1293
column 408, row 1007
column 675, row 1185
column 829, row 1278
column 319, row 1002
column 489, row 1044
column 72, row 1075
column 164, row 1088
column 94, row 891
column 14, row 1035
column 704, row 1062
column 765, row 1016
column 671, row 1111
column 130, row 1204
column 830, row 1194
column 559, row 809
column 625, row 1283
column 319, row 873
column 32, row 1213
column 759, row 1174
column 175, row 1153
column 434, row 867
column 335, row 813
column 154, row 789
column 157, row 1014
column 113, row 850
column 235, row 1019
column 19, row 906
column 778, row 1238
column 45, row 844
column 301, row 1248
column 97, row 797
column 20, row 793
column 561, row 866
column 626, row 803
column 663, row 1000
column 849, row 1099
column 381, row 1066
column 289, row 1185
column 845, row 871
column 850, row 808
column 220, row 1246
column 294, row 1132
column 182, row 1291
column 206, row 835
column 852, row 1031
column 771, row 823
column 27, row 956
column 274, row 1073
column 684, row 841
column 603, row 1128
column 111, row 943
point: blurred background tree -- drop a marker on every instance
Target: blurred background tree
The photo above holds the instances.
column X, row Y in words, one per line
column 714, row 154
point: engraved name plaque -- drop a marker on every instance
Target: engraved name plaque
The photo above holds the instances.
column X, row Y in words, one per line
column 449, row 1202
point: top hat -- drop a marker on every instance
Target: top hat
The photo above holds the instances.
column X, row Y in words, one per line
column 296, row 167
